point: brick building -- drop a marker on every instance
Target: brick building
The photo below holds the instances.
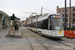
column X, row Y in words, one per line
column 62, row 12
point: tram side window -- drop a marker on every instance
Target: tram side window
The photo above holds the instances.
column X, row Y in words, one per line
column 50, row 27
column 31, row 25
column 39, row 24
column 45, row 24
column 28, row 26
column 34, row 25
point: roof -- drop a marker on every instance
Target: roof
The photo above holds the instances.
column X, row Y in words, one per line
column 17, row 19
column 43, row 17
column 4, row 15
column 1, row 12
column 67, row 7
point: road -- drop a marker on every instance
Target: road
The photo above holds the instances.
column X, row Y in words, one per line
column 28, row 40
column 50, row 43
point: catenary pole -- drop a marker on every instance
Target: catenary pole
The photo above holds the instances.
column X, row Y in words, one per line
column 65, row 16
column 41, row 10
column 70, row 16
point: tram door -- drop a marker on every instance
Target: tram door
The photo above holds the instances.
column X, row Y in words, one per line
column 49, row 23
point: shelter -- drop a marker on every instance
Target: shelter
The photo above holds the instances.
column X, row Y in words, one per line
column 4, row 20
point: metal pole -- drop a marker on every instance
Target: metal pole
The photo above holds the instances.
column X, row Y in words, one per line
column 70, row 17
column 12, row 23
column 36, row 22
column 41, row 10
column 31, row 21
column 26, row 22
column 65, row 16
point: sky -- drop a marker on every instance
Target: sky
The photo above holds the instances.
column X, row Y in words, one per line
column 19, row 7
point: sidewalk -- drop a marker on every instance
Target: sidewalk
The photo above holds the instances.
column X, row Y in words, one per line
column 14, row 43
column 18, row 33
column 3, row 29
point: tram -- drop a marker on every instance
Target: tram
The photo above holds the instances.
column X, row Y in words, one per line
column 50, row 25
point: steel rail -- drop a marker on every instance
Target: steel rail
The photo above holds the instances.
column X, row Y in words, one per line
column 60, row 43
column 40, row 43
column 31, row 48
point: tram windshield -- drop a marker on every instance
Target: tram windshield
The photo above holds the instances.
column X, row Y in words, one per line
column 56, row 23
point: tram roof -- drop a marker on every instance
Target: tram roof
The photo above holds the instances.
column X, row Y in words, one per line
column 43, row 17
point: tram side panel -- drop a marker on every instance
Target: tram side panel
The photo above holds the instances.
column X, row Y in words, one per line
column 42, row 28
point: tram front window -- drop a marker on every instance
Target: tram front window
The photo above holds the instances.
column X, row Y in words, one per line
column 56, row 23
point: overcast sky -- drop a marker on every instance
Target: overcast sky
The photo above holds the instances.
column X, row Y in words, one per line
column 19, row 6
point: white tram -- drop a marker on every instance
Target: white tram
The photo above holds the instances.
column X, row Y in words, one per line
column 50, row 25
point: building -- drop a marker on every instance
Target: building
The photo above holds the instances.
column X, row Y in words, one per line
column 62, row 12
column 4, row 20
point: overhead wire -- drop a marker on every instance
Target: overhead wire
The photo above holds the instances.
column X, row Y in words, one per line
column 42, row 5
column 28, row 4
column 48, row 10
column 45, row 3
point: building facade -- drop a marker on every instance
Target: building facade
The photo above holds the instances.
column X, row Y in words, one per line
column 4, row 20
column 62, row 12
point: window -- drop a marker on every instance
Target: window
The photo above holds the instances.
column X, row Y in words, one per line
column 63, row 10
column 74, row 20
column 73, row 14
column 59, row 11
column 73, row 9
column 66, row 20
column 66, row 15
column 66, row 10
column 63, row 15
column 39, row 23
column 44, row 25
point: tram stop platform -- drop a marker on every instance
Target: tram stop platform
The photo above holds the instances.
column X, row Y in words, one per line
column 13, row 43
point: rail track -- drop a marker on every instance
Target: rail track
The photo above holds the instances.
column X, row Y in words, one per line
column 45, row 48
column 30, row 46
column 57, row 41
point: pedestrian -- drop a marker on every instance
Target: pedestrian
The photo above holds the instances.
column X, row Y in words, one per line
column 6, row 26
column 18, row 26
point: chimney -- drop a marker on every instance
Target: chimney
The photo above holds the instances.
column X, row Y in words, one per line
column 57, row 7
